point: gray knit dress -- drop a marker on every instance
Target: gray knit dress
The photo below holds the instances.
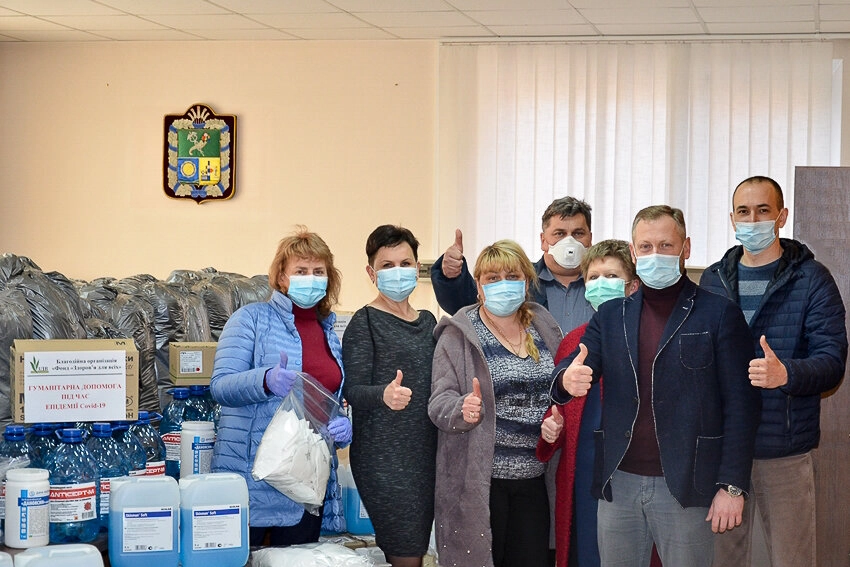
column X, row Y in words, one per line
column 393, row 453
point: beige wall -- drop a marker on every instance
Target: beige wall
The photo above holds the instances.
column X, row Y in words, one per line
column 339, row 136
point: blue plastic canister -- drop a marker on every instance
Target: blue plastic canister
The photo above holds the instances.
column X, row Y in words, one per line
column 357, row 520
column 213, row 520
column 143, row 520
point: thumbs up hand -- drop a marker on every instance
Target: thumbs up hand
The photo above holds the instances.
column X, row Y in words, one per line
column 471, row 407
column 397, row 396
column 767, row 372
column 552, row 426
column 279, row 380
column 453, row 257
column 577, row 377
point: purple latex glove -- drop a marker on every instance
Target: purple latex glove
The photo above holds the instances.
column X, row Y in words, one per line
column 279, row 380
column 340, row 429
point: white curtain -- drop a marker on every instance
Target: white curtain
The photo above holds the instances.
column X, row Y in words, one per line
column 623, row 126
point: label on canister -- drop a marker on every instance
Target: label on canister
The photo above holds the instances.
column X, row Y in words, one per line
column 148, row 529
column 216, row 527
column 27, row 508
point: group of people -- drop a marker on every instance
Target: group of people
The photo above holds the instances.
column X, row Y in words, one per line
column 650, row 433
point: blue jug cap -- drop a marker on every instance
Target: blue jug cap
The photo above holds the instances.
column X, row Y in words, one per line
column 101, row 429
column 180, row 393
column 71, row 435
column 13, row 433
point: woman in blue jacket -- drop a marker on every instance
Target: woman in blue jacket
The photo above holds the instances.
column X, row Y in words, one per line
column 259, row 350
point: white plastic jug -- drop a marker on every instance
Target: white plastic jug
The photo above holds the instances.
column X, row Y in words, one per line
column 213, row 520
column 68, row 555
column 6, row 560
column 196, row 447
column 143, row 520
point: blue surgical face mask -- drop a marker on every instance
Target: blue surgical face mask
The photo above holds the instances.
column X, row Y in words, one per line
column 568, row 252
column 307, row 291
column 659, row 271
column 397, row 283
column 756, row 236
column 504, row 297
column 600, row 290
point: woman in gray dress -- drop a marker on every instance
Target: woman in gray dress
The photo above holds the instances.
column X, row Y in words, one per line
column 387, row 352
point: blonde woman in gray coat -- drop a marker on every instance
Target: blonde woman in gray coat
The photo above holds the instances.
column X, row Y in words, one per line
column 489, row 391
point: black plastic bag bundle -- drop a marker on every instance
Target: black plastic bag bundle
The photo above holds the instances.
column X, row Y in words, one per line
column 219, row 295
column 129, row 314
column 251, row 290
column 197, row 319
column 15, row 323
column 12, row 266
column 55, row 315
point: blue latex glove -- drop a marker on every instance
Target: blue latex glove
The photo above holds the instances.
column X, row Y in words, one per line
column 279, row 380
column 340, row 429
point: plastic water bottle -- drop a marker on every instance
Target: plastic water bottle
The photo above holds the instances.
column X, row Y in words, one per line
column 15, row 446
column 198, row 409
column 14, row 454
column 85, row 427
column 74, row 480
column 132, row 447
column 170, row 430
column 152, row 443
column 214, row 408
column 111, row 462
column 42, row 442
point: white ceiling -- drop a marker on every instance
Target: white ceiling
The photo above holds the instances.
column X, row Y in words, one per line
column 169, row 20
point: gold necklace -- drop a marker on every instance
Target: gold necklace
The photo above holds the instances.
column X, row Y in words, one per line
column 513, row 348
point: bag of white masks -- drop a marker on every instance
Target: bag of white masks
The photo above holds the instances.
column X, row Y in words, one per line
column 294, row 455
column 309, row 555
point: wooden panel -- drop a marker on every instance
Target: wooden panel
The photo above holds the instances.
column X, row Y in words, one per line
column 822, row 220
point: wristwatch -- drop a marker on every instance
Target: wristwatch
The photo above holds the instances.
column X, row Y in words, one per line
column 732, row 490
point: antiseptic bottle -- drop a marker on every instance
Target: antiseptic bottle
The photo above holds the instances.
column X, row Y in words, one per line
column 132, row 447
column 170, row 430
column 111, row 462
column 151, row 441
column 74, row 482
column 43, row 441
column 198, row 409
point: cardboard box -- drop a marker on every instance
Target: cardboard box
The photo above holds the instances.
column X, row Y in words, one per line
column 191, row 363
column 70, row 382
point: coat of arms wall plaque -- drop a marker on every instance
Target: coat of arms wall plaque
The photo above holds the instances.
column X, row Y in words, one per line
column 200, row 154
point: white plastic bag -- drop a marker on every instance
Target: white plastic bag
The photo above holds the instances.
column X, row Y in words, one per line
column 309, row 555
column 294, row 455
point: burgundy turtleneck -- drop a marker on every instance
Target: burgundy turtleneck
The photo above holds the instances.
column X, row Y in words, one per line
column 643, row 457
column 317, row 359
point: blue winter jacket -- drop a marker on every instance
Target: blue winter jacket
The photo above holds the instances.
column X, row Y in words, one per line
column 802, row 317
column 250, row 344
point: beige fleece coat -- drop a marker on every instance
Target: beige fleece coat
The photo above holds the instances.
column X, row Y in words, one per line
column 465, row 451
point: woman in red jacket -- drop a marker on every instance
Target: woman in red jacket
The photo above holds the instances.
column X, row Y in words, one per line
column 608, row 272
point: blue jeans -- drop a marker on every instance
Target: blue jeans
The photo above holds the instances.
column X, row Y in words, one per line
column 642, row 512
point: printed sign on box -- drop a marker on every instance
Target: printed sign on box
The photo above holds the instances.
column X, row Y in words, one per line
column 83, row 385
column 59, row 380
